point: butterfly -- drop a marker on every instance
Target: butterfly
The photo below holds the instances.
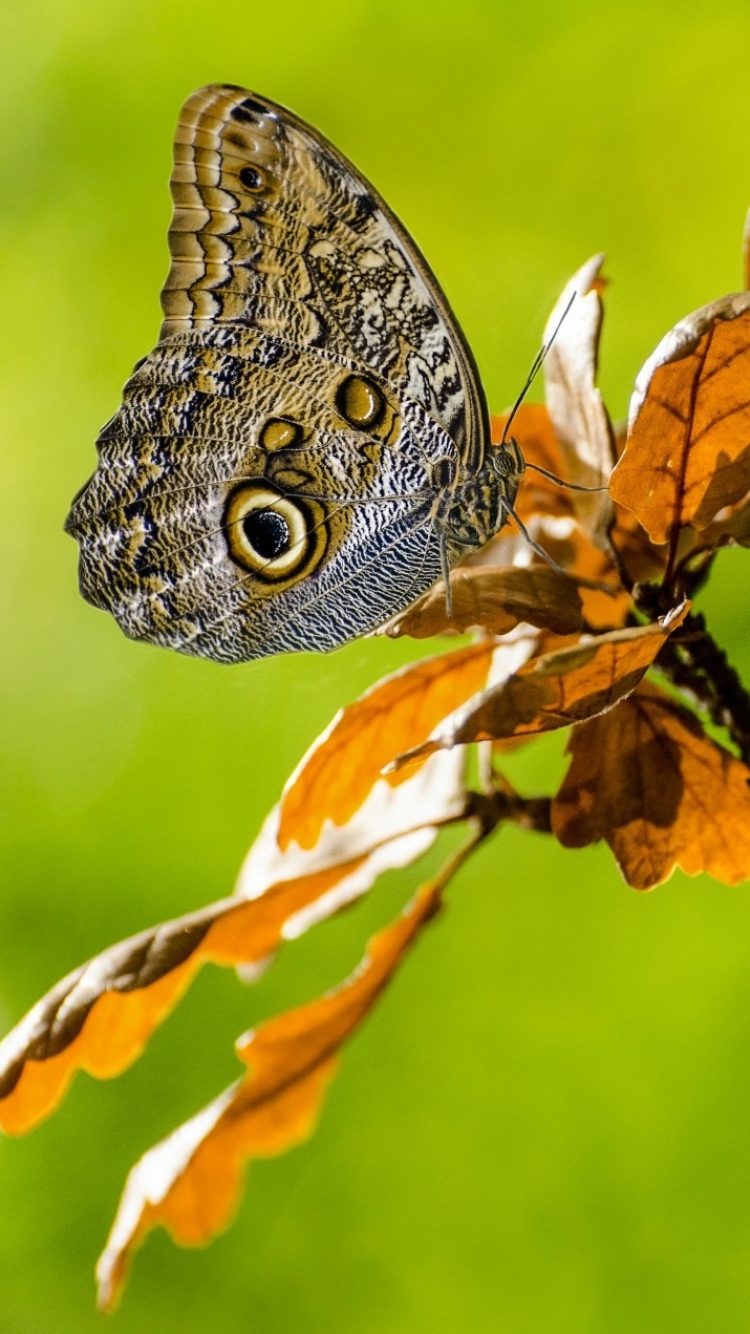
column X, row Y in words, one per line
column 307, row 448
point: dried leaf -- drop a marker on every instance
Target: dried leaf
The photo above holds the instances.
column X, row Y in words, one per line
column 640, row 557
column 579, row 417
column 494, row 600
column 190, row 1183
column 397, row 713
column 646, row 778
column 100, row 1017
column 688, row 449
column 558, row 688
column 731, row 527
column 391, row 817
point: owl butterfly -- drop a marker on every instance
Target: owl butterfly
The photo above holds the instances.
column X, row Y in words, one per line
column 307, row 449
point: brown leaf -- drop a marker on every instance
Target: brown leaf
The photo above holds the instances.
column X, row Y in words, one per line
column 571, row 548
column 397, row 713
column 558, row 688
column 640, row 557
column 688, row 448
column 646, row 778
column 190, row 1183
column 579, row 417
column 494, row 600
column 100, row 1017
column 731, row 527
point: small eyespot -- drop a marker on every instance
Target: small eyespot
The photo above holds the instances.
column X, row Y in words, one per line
column 280, row 433
column 274, row 536
column 251, row 178
column 360, row 402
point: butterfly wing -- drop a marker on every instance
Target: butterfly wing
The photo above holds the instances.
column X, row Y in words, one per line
column 270, row 481
column 275, row 228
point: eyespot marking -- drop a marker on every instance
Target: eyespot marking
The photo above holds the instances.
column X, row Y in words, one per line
column 360, row 402
column 251, row 178
column 276, row 537
column 280, row 433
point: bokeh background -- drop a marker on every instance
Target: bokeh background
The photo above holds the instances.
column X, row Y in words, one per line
column 545, row 1123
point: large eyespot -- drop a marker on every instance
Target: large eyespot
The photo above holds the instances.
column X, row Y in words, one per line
column 274, row 536
column 360, row 402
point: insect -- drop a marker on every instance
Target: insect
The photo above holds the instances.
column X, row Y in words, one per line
column 307, row 448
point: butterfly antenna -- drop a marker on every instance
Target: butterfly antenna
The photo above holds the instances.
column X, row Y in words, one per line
column 536, row 366
column 559, row 481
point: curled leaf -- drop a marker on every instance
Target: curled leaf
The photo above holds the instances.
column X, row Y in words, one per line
column 190, row 1183
column 646, row 778
column 558, row 688
column 100, row 1017
column 496, row 601
column 731, row 527
column 576, row 408
column 688, row 448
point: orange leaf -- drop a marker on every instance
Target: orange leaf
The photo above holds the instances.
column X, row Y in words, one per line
column 731, row 527
column 341, row 767
column 494, row 600
column 573, row 550
column 642, row 560
column 646, row 778
column 688, row 448
column 558, row 688
column 101, row 1016
column 190, row 1182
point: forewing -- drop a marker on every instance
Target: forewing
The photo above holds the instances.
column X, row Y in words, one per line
column 275, row 229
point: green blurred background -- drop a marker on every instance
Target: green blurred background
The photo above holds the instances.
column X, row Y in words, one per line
column 544, row 1126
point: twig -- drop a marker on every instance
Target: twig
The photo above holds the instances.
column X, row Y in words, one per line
column 692, row 660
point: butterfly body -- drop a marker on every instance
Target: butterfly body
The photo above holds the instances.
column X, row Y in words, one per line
column 307, row 448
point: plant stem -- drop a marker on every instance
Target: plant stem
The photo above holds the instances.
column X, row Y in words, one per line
column 693, row 661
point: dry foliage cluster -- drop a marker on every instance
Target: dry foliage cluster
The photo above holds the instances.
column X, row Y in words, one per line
column 609, row 649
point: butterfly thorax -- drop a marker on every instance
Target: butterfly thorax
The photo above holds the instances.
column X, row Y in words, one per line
column 477, row 505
